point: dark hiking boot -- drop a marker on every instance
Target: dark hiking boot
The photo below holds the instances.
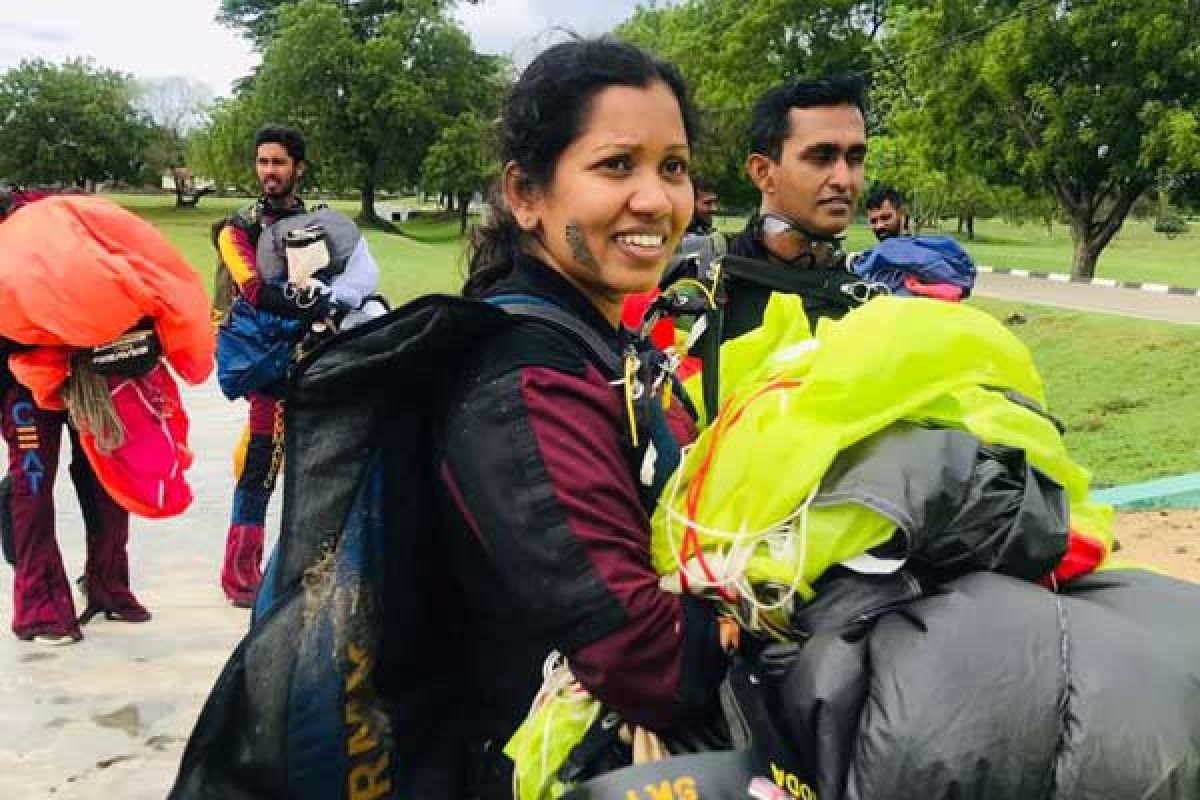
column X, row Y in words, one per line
column 117, row 603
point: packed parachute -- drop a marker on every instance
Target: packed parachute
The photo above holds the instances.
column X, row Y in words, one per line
column 906, row 525
column 81, row 278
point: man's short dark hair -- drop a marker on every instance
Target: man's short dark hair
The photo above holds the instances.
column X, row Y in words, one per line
column 769, row 124
column 881, row 194
column 287, row 137
column 702, row 185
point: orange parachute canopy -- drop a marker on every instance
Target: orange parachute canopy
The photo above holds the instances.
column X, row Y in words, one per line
column 79, row 271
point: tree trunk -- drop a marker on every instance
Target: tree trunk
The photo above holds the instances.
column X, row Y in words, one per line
column 1083, row 263
column 367, row 211
column 971, row 227
column 1095, row 219
column 464, row 205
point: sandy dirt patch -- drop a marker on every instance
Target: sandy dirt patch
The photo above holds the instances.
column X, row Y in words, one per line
column 1169, row 540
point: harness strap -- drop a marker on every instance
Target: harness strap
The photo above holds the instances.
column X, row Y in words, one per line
column 777, row 279
column 526, row 306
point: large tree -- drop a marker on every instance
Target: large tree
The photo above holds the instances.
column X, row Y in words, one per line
column 371, row 100
column 71, row 124
column 259, row 19
column 457, row 164
column 1087, row 100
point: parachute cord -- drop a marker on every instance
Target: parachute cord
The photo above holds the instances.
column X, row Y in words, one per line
column 557, row 681
column 90, row 407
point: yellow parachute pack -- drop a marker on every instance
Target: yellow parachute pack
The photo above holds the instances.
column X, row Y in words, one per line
column 737, row 513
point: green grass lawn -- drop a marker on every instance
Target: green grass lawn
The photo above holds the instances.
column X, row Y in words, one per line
column 1136, row 254
column 1125, row 388
column 429, row 258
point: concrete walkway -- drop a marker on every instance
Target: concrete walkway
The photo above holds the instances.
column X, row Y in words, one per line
column 108, row 718
column 1088, row 297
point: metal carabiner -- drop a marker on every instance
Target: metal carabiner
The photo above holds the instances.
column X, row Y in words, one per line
column 862, row 291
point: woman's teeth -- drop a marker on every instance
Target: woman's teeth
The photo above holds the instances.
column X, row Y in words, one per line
column 642, row 239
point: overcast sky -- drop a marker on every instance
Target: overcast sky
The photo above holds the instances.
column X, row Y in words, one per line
column 158, row 38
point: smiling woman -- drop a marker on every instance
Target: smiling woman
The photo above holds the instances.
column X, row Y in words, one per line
column 547, row 474
column 595, row 182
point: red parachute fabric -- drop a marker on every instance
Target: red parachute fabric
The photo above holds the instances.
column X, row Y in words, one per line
column 79, row 271
column 662, row 335
column 145, row 474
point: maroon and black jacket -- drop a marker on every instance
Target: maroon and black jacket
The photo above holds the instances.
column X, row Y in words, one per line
column 547, row 538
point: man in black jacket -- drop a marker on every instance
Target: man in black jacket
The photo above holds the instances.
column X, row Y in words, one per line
column 807, row 150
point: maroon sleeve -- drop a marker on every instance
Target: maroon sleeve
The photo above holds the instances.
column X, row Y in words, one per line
column 543, row 477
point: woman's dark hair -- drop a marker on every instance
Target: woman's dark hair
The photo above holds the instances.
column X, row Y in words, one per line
column 545, row 112
column 289, row 139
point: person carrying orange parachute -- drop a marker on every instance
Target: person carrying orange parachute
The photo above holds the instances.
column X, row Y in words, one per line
column 94, row 299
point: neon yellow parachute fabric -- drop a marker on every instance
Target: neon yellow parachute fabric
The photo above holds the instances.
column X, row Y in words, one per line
column 561, row 716
column 741, row 512
column 791, row 402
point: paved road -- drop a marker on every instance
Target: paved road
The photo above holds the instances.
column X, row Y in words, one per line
column 108, row 717
column 1085, row 297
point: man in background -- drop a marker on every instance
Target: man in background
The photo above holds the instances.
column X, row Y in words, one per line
column 704, row 217
column 886, row 213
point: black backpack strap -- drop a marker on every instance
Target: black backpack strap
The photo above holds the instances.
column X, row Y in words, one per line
column 788, row 281
column 531, row 307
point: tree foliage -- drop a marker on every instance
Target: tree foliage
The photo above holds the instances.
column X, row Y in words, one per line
column 370, row 106
column 71, row 124
column 224, row 150
column 259, row 19
column 1086, row 100
column 458, row 163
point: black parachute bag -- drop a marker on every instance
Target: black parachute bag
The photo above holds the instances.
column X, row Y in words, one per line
column 345, row 685
column 757, row 762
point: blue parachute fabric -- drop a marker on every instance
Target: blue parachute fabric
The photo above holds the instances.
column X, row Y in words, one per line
column 253, row 350
column 329, row 690
column 930, row 259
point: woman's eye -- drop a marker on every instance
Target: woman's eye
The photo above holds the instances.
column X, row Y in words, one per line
column 618, row 164
column 675, row 167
